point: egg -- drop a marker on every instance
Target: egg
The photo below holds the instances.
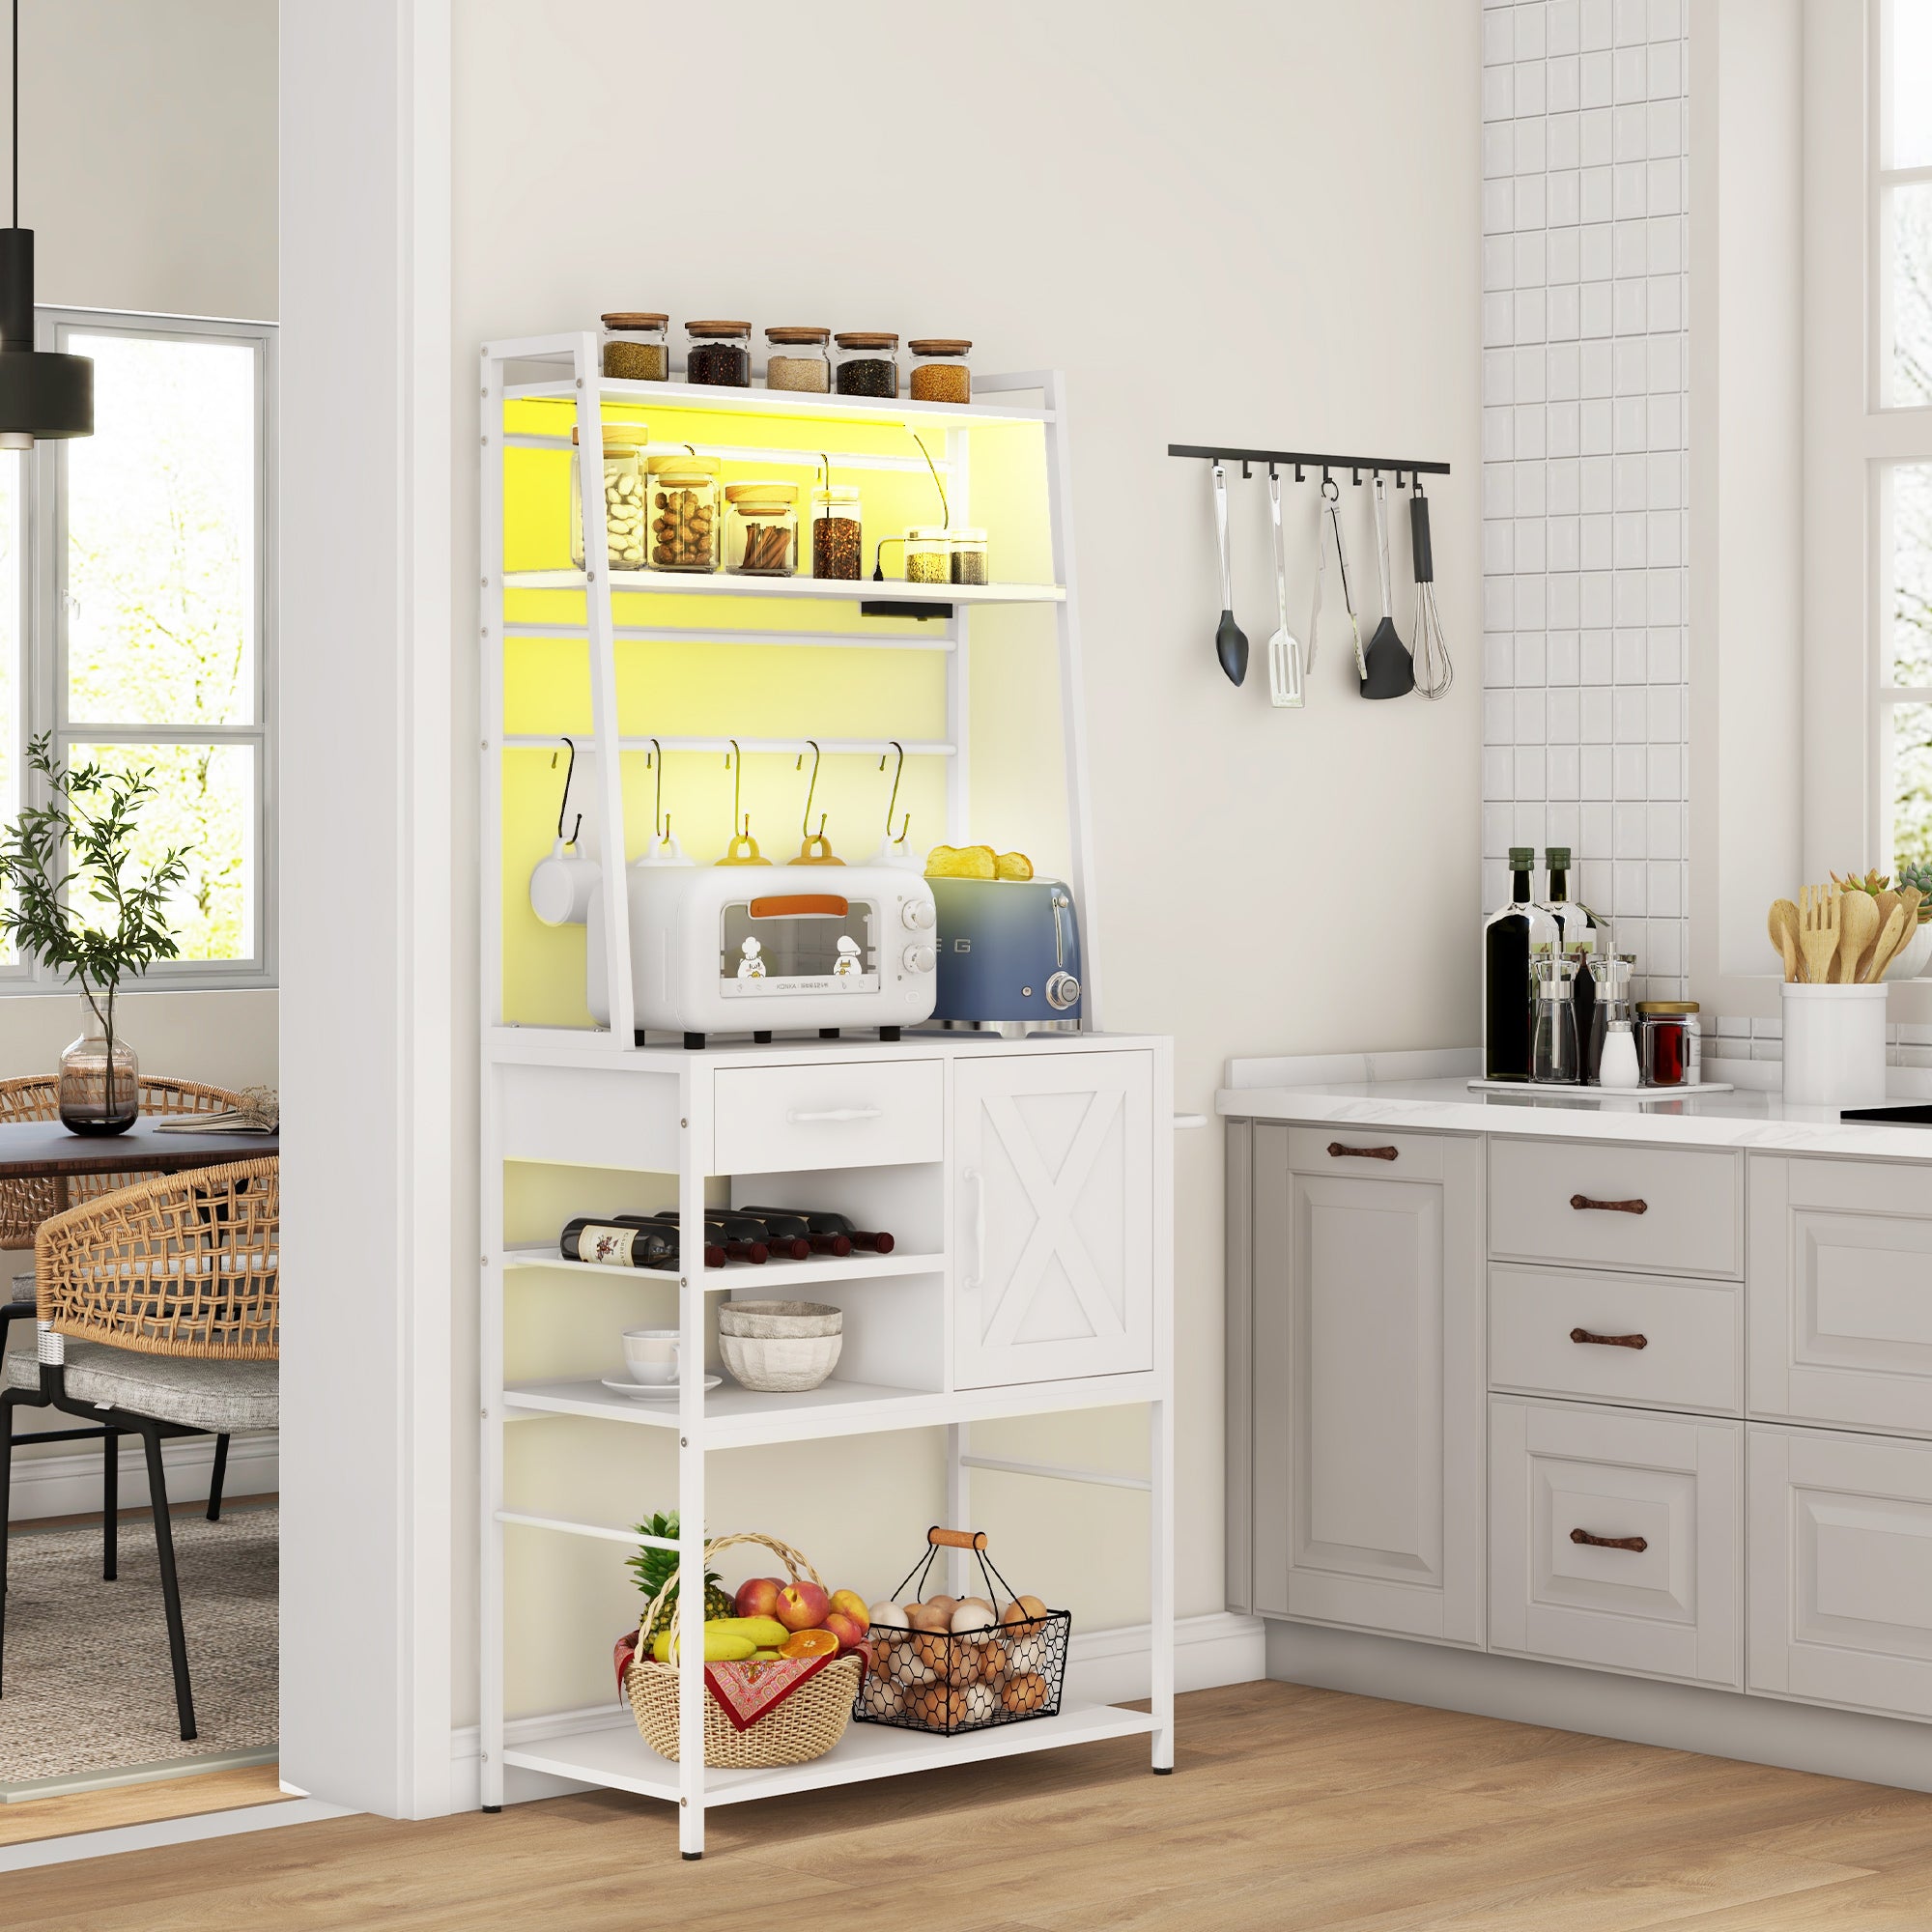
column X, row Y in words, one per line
column 929, row 1657
column 964, row 1667
column 973, row 1614
column 939, row 1603
column 936, row 1615
column 1024, row 1693
column 896, row 1616
column 884, row 1698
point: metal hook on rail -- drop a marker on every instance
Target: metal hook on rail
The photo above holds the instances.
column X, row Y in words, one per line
column 563, row 801
column 810, row 790
column 734, row 763
column 655, row 757
column 892, row 801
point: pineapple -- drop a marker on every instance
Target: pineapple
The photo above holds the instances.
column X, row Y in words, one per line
column 651, row 1567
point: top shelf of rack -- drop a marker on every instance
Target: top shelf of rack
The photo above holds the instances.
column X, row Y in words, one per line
column 785, row 404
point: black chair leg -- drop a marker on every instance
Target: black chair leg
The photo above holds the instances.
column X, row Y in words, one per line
column 110, row 1506
column 215, row 1481
column 7, row 1405
column 165, row 1549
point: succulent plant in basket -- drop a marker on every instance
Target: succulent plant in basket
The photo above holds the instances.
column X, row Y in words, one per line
column 654, row 1568
column 1919, row 873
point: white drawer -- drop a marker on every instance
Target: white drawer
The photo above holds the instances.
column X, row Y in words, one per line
column 1365, row 1153
column 1593, row 1204
column 881, row 1113
column 1658, row 1342
column 1615, row 1539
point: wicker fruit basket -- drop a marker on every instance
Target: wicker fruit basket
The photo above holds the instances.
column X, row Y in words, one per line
column 806, row 1726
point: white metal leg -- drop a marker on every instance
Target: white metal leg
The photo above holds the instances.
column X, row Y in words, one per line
column 958, row 1501
column 694, row 1162
column 490, row 1702
column 1160, row 1539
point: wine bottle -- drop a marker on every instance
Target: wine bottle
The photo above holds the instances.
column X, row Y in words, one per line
column 1509, row 1017
column 742, row 1238
column 615, row 1240
column 666, row 1231
column 823, row 1222
column 787, row 1235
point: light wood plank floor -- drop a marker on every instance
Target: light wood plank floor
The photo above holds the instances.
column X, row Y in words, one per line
column 1292, row 1810
column 65, row 1812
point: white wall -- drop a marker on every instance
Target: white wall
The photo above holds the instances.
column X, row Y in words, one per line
column 1255, row 223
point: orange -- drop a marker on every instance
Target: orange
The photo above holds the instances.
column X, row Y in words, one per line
column 810, row 1643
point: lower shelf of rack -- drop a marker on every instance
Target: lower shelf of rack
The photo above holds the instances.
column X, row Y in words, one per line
column 618, row 1757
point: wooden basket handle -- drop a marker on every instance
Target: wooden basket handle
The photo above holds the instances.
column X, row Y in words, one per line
column 955, row 1539
column 798, row 1565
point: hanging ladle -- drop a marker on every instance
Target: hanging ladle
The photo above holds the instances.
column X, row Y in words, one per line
column 1231, row 644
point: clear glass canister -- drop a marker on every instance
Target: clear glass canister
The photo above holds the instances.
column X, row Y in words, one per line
column 837, row 533
column 939, row 371
column 927, row 555
column 718, row 354
column 637, row 345
column 684, row 525
column 866, row 363
column 623, row 497
column 1669, row 1045
column 761, row 528
column 969, row 555
column 798, row 358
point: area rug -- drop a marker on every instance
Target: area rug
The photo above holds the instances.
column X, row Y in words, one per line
column 87, row 1682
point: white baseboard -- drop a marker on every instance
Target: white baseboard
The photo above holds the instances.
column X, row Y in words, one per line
column 1109, row 1667
column 69, row 1483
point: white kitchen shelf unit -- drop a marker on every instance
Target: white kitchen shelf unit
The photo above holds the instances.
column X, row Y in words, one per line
column 1031, row 1282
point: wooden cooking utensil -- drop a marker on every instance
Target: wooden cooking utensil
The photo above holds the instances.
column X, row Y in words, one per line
column 1908, row 901
column 1871, row 967
column 1869, row 970
column 1817, row 931
column 1858, row 927
column 1783, row 925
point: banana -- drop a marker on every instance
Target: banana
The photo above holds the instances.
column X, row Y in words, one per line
column 720, row 1646
column 765, row 1633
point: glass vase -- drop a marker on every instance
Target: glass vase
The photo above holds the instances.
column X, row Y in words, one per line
column 99, row 1093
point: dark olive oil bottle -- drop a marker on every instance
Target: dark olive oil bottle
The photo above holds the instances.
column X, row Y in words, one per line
column 1508, row 936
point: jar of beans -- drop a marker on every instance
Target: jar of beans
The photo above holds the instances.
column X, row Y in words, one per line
column 623, row 497
column 927, row 547
column 837, row 536
column 866, row 363
column 761, row 528
column 718, row 353
column 683, row 526
column 637, row 345
column 939, row 372
column 797, row 358
column 969, row 555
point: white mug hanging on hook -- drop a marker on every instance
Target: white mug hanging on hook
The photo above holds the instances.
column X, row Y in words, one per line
column 563, row 884
column 664, row 848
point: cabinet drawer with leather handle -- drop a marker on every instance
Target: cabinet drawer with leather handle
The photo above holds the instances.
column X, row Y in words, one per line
column 1599, row 1203
column 1365, row 1153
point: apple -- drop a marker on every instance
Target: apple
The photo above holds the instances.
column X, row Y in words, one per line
column 802, row 1606
column 849, row 1632
column 759, row 1597
column 849, row 1603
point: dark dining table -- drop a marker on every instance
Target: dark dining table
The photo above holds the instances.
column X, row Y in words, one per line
column 43, row 1149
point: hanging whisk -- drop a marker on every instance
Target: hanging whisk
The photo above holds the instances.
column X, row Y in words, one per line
column 1434, row 673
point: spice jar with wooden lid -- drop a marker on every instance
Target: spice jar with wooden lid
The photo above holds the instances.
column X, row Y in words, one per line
column 623, row 496
column 866, row 363
column 761, row 528
column 928, row 554
column 683, row 527
column 837, row 534
column 637, row 345
column 968, row 548
column 797, row 358
column 939, row 371
column 719, row 353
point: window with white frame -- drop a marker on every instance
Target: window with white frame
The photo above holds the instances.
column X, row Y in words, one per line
column 149, row 635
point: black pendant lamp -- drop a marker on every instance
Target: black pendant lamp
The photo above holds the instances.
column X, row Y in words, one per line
column 41, row 395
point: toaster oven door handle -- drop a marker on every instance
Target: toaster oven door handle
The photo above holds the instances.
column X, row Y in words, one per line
column 796, row 1115
column 973, row 1180
column 1059, row 898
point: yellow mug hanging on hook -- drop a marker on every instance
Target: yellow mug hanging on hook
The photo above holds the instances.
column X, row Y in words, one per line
column 743, row 848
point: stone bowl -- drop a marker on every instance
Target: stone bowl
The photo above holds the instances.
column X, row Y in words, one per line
column 780, row 1320
column 779, row 1365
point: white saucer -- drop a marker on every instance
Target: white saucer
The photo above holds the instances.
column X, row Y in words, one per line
column 651, row 1391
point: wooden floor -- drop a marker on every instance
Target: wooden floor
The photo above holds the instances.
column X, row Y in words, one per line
column 67, row 1812
column 1291, row 1809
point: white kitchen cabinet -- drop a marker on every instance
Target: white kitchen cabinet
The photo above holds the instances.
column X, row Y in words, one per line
column 1841, row 1570
column 1368, row 1314
column 1053, row 1217
column 1840, row 1286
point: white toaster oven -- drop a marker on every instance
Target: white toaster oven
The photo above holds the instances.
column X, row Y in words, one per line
column 763, row 949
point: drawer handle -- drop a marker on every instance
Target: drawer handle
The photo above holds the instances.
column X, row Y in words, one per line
column 1336, row 1149
column 1632, row 1542
column 797, row 1114
column 1610, row 1341
column 1610, row 1206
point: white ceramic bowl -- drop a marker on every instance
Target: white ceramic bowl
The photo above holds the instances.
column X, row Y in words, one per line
column 779, row 1366
column 780, row 1320
column 1910, row 959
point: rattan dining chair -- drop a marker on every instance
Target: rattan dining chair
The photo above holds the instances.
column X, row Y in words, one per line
column 158, row 1311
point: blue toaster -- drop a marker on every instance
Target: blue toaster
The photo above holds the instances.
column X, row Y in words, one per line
column 1009, row 954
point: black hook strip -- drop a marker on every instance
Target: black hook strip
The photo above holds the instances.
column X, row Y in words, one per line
column 1311, row 459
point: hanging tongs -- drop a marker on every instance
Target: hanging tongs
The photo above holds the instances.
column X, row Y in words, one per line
column 1331, row 502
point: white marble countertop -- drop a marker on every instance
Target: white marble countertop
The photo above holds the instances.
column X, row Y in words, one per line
column 1431, row 1091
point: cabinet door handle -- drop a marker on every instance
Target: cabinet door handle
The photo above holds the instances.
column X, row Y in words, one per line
column 1635, row 1543
column 1610, row 1341
column 796, row 1115
column 976, row 1181
column 1581, row 1201
column 1336, row 1149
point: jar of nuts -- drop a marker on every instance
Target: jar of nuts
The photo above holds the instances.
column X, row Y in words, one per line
column 637, row 345
column 939, row 371
column 683, row 525
column 623, row 497
column 761, row 528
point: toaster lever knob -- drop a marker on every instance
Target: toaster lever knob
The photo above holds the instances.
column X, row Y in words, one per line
column 1062, row 990
column 917, row 914
column 918, row 958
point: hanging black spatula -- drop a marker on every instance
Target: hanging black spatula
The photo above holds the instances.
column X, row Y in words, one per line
column 1231, row 644
column 1390, row 671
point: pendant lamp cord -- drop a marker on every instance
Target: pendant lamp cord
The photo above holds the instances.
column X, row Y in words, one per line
column 15, row 76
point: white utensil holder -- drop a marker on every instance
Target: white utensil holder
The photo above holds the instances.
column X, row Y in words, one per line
column 1834, row 1046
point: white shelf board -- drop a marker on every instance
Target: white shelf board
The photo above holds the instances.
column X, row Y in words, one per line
column 780, row 1277
column 512, row 1045
column 617, row 1756
column 723, row 583
column 736, row 1417
column 787, row 404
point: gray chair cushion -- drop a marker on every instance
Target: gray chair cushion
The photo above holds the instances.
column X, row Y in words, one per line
column 222, row 1396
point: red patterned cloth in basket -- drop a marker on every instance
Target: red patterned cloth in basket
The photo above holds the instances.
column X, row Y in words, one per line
column 744, row 1692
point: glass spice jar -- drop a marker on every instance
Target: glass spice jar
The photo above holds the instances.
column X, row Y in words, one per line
column 837, row 535
column 939, row 371
column 623, row 497
column 761, row 528
column 927, row 559
column 1669, row 1043
column 719, row 353
column 968, row 548
column 683, row 523
column 637, row 345
column 866, row 363
column 797, row 358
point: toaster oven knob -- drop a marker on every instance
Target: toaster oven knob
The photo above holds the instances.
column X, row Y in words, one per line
column 917, row 914
column 918, row 958
column 1062, row 990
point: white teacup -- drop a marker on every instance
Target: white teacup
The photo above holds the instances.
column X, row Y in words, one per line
column 650, row 1354
column 562, row 886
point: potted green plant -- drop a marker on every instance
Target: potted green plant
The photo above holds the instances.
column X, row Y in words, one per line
column 74, row 897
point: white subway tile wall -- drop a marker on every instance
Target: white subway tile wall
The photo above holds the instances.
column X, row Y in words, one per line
column 1584, row 459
